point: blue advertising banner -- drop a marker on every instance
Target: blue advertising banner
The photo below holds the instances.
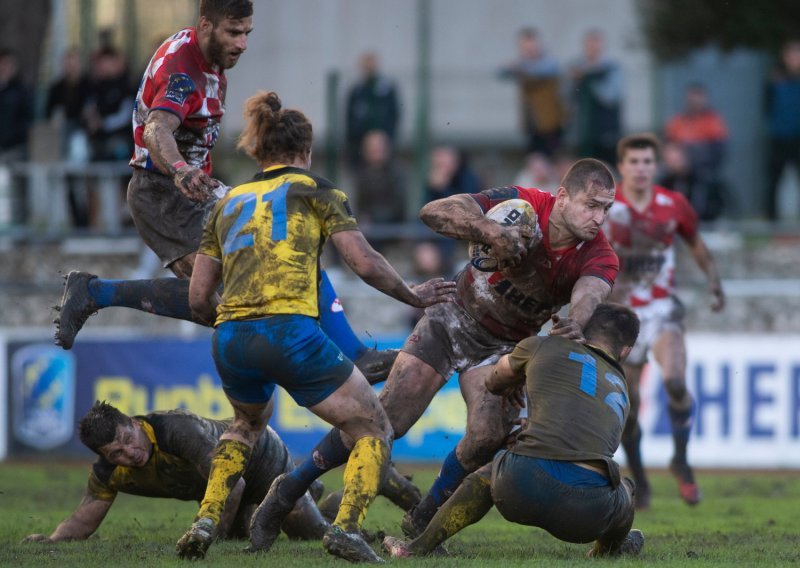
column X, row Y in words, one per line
column 52, row 389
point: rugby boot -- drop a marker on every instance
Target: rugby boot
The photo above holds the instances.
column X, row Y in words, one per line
column 631, row 545
column 265, row 524
column 418, row 517
column 375, row 365
column 687, row 487
column 350, row 546
column 397, row 547
column 75, row 308
column 194, row 544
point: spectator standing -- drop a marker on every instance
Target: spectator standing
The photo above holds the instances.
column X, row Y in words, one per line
column 597, row 92
column 109, row 109
column 373, row 103
column 66, row 98
column 703, row 135
column 783, row 115
column 16, row 111
column 380, row 183
column 537, row 76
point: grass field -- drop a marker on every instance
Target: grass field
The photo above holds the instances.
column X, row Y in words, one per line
column 746, row 519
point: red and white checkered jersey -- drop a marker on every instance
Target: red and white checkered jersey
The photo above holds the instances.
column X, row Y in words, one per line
column 179, row 80
column 644, row 243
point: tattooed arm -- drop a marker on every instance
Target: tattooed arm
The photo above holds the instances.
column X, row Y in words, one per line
column 159, row 138
column 460, row 217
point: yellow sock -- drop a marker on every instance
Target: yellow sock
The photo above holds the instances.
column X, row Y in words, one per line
column 227, row 466
column 362, row 478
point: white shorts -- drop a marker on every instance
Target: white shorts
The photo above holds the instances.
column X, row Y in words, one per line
column 664, row 314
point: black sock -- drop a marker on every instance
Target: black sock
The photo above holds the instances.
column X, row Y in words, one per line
column 167, row 297
column 329, row 453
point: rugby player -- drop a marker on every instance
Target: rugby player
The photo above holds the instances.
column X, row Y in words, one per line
column 263, row 241
column 559, row 474
column 168, row 454
column 570, row 262
column 176, row 122
column 642, row 226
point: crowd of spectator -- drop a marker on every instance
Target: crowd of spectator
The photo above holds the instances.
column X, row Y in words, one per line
column 568, row 111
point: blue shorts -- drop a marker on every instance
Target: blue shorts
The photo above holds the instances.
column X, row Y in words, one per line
column 292, row 351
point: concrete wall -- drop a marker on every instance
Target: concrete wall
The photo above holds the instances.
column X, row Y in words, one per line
column 296, row 43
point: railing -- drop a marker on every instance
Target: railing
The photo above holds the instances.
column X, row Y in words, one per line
column 34, row 196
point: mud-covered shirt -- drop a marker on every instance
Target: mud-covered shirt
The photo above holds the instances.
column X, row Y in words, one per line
column 183, row 444
column 577, row 402
column 179, row 80
column 269, row 234
column 515, row 303
column 644, row 241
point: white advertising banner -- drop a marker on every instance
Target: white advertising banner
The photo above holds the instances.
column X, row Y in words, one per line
column 747, row 391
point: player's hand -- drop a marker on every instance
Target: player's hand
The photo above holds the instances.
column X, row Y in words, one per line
column 718, row 303
column 567, row 328
column 511, row 245
column 434, row 291
column 38, row 538
column 194, row 183
column 518, row 426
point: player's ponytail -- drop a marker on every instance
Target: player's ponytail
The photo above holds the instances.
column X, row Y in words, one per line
column 273, row 134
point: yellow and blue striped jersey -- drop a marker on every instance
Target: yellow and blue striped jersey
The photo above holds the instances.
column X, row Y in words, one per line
column 269, row 233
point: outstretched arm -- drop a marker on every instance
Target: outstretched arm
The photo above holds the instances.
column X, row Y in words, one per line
column 706, row 263
column 376, row 271
column 80, row 524
column 460, row 217
column 159, row 137
column 588, row 292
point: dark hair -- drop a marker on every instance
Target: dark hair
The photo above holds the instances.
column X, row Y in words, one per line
column 217, row 10
column 528, row 32
column 638, row 142
column 614, row 323
column 99, row 426
column 273, row 134
column 586, row 173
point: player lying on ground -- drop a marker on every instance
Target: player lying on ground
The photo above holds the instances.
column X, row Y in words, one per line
column 168, row 454
column 559, row 474
column 178, row 114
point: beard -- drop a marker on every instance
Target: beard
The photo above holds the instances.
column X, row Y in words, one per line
column 216, row 51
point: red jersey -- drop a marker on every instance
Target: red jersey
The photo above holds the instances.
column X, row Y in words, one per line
column 644, row 242
column 514, row 303
column 179, row 80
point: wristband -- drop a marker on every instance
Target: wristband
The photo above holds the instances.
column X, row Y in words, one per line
column 178, row 165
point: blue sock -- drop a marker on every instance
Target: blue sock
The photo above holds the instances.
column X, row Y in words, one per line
column 448, row 480
column 329, row 453
column 167, row 297
column 334, row 323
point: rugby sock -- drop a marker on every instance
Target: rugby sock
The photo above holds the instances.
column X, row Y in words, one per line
column 469, row 504
column 362, row 478
column 334, row 322
column 227, row 466
column 633, row 452
column 329, row 453
column 162, row 296
column 681, row 421
column 450, row 477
